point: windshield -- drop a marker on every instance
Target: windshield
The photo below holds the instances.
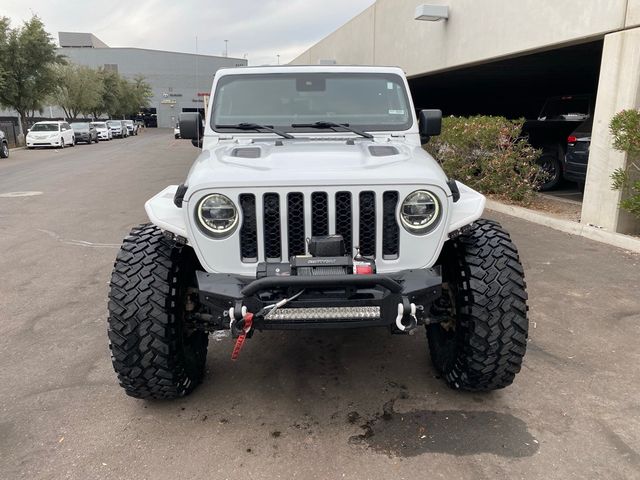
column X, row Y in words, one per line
column 45, row 127
column 366, row 101
column 114, row 123
column 99, row 125
column 565, row 108
column 80, row 126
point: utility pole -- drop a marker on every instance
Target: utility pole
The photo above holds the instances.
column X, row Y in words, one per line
column 226, row 48
column 278, row 58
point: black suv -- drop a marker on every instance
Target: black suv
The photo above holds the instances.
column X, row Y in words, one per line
column 4, row 145
column 577, row 157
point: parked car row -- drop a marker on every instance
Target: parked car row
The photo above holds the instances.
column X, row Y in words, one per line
column 61, row 134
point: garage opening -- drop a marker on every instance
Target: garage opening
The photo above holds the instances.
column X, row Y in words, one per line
column 518, row 88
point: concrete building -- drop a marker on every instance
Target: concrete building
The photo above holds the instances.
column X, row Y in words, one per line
column 504, row 57
column 179, row 80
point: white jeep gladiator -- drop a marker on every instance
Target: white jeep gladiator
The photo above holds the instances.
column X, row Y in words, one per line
column 312, row 205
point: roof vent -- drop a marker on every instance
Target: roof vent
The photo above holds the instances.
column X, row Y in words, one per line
column 383, row 151
column 246, row 152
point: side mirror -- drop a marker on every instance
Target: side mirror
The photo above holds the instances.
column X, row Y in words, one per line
column 430, row 124
column 191, row 127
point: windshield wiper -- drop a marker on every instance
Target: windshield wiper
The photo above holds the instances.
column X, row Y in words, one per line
column 332, row 125
column 255, row 126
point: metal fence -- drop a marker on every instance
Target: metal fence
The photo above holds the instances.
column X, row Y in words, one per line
column 10, row 130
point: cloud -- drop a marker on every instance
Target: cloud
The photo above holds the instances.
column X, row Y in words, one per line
column 259, row 29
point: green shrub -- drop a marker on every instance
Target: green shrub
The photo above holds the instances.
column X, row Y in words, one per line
column 625, row 128
column 489, row 155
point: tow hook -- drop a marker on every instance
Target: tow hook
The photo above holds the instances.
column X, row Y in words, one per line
column 237, row 315
column 406, row 321
column 240, row 325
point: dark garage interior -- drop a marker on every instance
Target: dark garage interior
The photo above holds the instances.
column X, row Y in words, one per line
column 515, row 87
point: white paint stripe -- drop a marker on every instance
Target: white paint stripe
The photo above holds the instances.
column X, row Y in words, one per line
column 78, row 243
column 19, row 194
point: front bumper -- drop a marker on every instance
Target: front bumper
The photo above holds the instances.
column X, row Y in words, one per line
column 337, row 301
column 43, row 142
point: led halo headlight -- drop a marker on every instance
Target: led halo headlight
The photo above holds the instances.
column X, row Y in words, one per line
column 217, row 215
column 420, row 211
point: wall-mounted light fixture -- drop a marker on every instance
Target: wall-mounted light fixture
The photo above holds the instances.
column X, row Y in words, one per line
column 432, row 13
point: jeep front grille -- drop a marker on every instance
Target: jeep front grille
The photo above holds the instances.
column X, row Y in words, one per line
column 284, row 229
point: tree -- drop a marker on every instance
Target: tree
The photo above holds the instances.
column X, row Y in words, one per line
column 132, row 96
column 78, row 91
column 110, row 92
column 27, row 57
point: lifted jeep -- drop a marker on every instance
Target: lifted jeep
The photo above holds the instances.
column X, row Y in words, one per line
column 313, row 205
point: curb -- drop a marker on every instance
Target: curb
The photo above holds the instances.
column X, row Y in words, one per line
column 592, row 233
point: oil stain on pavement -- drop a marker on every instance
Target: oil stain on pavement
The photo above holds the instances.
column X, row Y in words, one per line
column 447, row 431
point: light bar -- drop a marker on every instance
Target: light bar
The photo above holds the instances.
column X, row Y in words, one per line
column 325, row 313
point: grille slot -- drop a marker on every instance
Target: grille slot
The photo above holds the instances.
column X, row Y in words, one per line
column 390, row 228
column 271, row 215
column 295, row 224
column 344, row 219
column 368, row 224
column 249, row 229
column 319, row 214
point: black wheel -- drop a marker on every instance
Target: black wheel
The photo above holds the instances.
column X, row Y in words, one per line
column 551, row 167
column 481, row 344
column 4, row 150
column 73, row 141
column 154, row 354
column 62, row 143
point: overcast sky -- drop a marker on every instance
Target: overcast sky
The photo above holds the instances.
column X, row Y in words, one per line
column 261, row 29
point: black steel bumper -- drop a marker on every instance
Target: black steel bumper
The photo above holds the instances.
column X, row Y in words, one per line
column 220, row 292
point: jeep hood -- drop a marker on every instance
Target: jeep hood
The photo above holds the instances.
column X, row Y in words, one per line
column 313, row 162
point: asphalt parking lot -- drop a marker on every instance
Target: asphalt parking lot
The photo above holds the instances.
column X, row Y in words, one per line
column 322, row 405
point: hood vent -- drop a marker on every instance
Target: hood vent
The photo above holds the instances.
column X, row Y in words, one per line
column 247, row 152
column 383, row 150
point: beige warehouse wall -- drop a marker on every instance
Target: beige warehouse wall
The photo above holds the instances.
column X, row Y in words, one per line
column 350, row 45
column 476, row 31
column 633, row 14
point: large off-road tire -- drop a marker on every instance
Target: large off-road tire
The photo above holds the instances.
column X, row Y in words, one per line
column 154, row 354
column 482, row 345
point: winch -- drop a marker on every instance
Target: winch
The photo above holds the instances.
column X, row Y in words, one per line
column 327, row 256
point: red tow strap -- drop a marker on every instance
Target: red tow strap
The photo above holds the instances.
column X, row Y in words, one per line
column 248, row 323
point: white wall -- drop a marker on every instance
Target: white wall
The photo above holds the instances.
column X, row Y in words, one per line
column 477, row 31
column 619, row 89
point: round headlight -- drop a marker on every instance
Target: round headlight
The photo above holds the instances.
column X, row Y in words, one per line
column 420, row 211
column 217, row 215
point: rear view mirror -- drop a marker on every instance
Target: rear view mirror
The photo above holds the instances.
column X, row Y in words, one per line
column 191, row 127
column 430, row 124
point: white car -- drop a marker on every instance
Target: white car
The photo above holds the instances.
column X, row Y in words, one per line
column 314, row 206
column 132, row 128
column 104, row 131
column 118, row 128
column 50, row 134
